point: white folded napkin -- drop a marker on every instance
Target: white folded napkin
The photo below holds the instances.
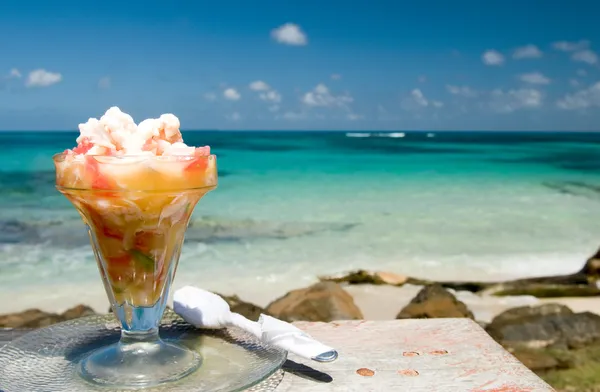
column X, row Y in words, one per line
column 204, row 309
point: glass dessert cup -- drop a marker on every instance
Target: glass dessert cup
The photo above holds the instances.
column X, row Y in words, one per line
column 137, row 211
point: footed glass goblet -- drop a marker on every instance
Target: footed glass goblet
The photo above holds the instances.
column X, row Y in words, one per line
column 136, row 209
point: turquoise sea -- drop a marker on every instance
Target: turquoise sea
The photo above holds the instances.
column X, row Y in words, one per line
column 294, row 205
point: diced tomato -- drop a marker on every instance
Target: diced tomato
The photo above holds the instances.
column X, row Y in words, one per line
column 202, row 151
column 99, row 181
column 112, row 233
column 119, row 260
column 119, row 267
column 84, row 146
column 197, row 164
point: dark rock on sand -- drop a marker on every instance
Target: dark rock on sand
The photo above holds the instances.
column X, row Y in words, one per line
column 580, row 284
column 78, row 311
column 542, row 290
column 434, row 301
column 561, row 346
column 583, row 283
column 30, row 318
column 237, row 305
column 545, row 326
column 35, row 318
column 542, row 360
column 367, row 277
column 324, row 301
column 394, row 279
column 591, row 269
column 246, row 309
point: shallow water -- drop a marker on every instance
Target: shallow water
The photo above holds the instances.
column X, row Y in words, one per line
column 291, row 206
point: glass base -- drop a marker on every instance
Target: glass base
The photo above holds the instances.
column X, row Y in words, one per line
column 50, row 359
column 138, row 364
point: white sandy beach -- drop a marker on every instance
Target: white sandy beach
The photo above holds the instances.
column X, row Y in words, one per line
column 384, row 302
column 375, row 302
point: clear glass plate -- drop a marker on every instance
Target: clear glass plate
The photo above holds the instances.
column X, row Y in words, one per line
column 45, row 360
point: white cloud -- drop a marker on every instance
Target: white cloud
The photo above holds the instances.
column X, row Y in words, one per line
column 585, row 56
column 583, row 99
column 512, row 100
column 321, row 96
column 267, row 94
column 232, row 94
column 336, row 76
column 321, row 89
column 422, row 79
column 418, row 97
column 289, row 34
column 581, row 72
column 42, row 78
column 492, row 57
column 210, row 96
column 104, row 83
column 270, row 96
column 566, row 46
column 463, row 91
column 574, row 82
column 417, row 100
column 534, row 78
column 259, row 85
column 14, row 73
column 527, row 52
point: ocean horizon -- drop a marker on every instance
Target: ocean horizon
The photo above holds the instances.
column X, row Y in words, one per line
column 293, row 205
column 345, row 131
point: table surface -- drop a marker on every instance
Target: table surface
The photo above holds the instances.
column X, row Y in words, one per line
column 450, row 355
column 445, row 355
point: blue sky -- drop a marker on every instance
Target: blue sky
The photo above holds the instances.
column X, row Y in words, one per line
column 383, row 65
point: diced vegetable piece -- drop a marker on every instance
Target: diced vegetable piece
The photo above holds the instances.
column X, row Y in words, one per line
column 144, row 261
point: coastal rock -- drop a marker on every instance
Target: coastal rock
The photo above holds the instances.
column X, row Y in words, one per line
column 324, row 301
column 35, row 318
column 368, row 277
column 30, row 318
column 433, row 301
column 246, row 309
column 540, row 360
column 584, row 283
column 542, row 290
column 591, row 269
column 78, row 311
column 545, row 326
column 390, row 278
column 580, row 284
